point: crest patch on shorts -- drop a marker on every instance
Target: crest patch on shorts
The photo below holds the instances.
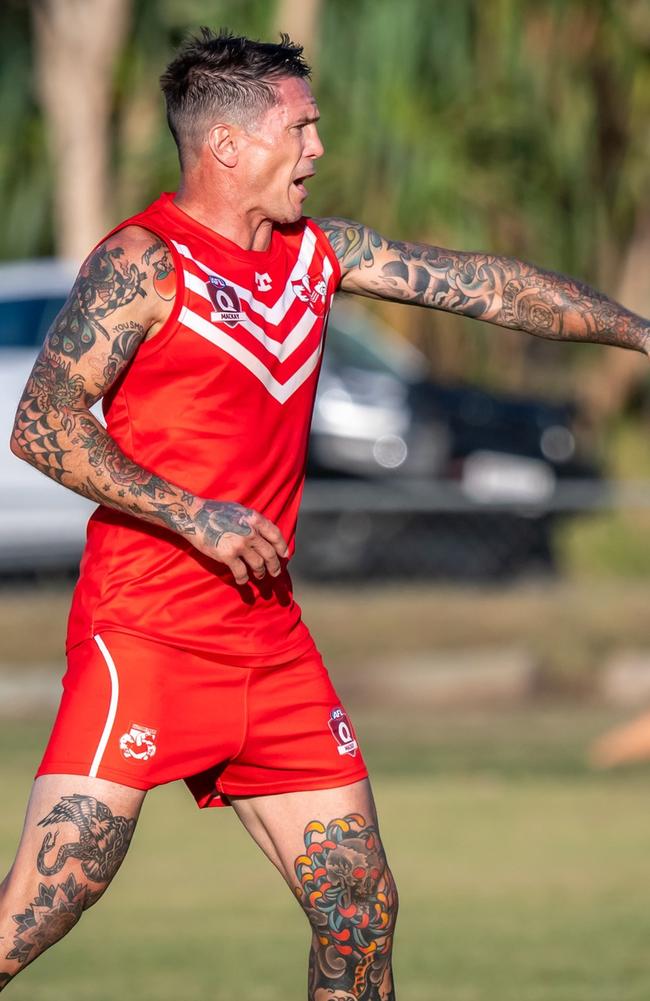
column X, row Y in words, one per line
column 341, row 729
column 139, row 742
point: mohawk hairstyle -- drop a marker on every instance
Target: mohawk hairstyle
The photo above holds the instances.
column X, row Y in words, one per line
column 224, row 75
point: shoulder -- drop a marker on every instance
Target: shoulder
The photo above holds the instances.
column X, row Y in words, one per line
column 130, row 242
column 132, row 257
column 354, row 244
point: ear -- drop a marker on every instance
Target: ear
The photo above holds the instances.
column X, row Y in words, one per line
column 222, row 141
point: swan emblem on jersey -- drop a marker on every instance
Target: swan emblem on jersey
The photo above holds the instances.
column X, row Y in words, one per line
column 138, row 742
column 227, row 307
column 313, row 291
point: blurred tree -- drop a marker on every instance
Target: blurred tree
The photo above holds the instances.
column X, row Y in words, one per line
column 301, row 20
column 516, row 126
column 76, row 45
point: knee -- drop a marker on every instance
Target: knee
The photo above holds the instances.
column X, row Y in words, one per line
column 348, row 892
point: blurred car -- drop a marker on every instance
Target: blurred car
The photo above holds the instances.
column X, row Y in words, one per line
column 377, row 417
column 479, row 473
column 42, row 525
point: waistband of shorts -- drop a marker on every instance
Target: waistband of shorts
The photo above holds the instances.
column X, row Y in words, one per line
column 273, row 658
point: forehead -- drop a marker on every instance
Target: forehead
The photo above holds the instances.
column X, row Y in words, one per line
column 295, row 99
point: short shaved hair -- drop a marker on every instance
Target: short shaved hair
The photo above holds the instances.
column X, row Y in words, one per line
column 224, row 76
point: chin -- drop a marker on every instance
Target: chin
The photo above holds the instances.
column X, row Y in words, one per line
column 290, row 215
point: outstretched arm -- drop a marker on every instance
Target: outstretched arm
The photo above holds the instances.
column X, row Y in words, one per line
column 119, row 299
column 501, row 290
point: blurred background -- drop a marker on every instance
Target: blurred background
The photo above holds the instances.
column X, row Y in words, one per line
column 475, row 538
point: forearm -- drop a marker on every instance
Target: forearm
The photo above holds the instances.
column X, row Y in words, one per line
column 512, row 293
column 550, row 305
column 72, row 447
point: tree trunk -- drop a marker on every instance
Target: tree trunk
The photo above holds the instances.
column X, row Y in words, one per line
column 76, row 44
column 608, row 386
column 301, row 21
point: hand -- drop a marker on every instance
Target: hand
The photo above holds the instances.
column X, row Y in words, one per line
column 238, row 536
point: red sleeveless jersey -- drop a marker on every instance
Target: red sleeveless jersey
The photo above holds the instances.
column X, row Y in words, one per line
column 219, row 402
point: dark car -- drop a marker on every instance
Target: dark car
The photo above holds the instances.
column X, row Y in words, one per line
column 449, row 481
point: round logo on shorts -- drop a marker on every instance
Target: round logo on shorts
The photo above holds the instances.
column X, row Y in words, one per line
column 138, row 743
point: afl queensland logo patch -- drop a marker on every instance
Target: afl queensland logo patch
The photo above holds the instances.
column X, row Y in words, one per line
column 342, row 731
column 227, row 307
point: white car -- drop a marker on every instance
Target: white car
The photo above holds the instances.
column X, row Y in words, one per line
column 42, row 525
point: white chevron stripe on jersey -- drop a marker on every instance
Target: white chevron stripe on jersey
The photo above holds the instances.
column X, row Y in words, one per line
column 276, row 313
column 281, row 349
column 281, row 391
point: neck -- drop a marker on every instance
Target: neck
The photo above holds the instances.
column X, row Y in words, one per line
column 226, row 216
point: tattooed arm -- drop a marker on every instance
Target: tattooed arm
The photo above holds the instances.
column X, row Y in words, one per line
column 120, row 299
column 501, row 290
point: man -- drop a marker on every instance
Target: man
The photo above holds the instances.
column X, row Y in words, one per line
column 200, row 322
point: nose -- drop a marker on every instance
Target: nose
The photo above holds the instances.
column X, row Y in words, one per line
column 315, row 148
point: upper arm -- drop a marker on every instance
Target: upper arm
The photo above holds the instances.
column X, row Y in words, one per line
column 114, row 304
column 425, row 275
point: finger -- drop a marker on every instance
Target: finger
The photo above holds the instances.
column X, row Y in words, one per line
column 257, row 565
column 271, row 533
column 268, row 554
column 239, row 570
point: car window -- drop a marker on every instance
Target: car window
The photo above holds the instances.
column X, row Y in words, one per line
column 348, row 351
column 24, row 322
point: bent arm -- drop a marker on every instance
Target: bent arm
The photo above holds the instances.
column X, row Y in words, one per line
column 113, row 307
column 501, row 290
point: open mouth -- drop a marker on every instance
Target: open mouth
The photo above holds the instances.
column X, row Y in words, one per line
column 299, row 183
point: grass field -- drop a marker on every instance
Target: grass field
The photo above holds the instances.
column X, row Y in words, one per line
column 523, row 876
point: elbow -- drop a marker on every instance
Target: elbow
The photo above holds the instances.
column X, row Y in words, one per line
column 16, row 447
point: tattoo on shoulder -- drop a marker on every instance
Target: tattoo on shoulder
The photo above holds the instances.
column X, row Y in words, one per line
column 354, row 245
column 164, row 277
column 106, row 282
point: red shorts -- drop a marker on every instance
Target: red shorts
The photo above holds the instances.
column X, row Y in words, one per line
column 141, row 713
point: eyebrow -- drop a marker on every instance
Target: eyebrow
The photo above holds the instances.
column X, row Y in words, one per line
column 306, row 120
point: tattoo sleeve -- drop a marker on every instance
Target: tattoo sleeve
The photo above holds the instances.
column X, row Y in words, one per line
column 501, row 290
column 116, row 298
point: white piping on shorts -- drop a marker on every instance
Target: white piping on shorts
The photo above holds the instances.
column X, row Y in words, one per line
column 112, row 708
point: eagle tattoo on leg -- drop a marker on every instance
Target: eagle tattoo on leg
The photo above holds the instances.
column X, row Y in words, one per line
column 103, row 838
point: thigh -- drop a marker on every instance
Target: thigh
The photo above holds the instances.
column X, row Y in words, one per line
column 76, row 834
column 327, row 845
column 74, row 826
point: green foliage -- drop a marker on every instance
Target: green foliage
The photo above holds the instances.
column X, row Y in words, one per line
column 25, row 183
column 516, row 126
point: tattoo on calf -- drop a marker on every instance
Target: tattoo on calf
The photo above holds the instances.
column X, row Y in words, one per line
column 49, row 917
column 103, row 838
column 350, row 899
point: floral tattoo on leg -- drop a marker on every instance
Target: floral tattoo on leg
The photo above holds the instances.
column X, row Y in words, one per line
column 349, row 896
